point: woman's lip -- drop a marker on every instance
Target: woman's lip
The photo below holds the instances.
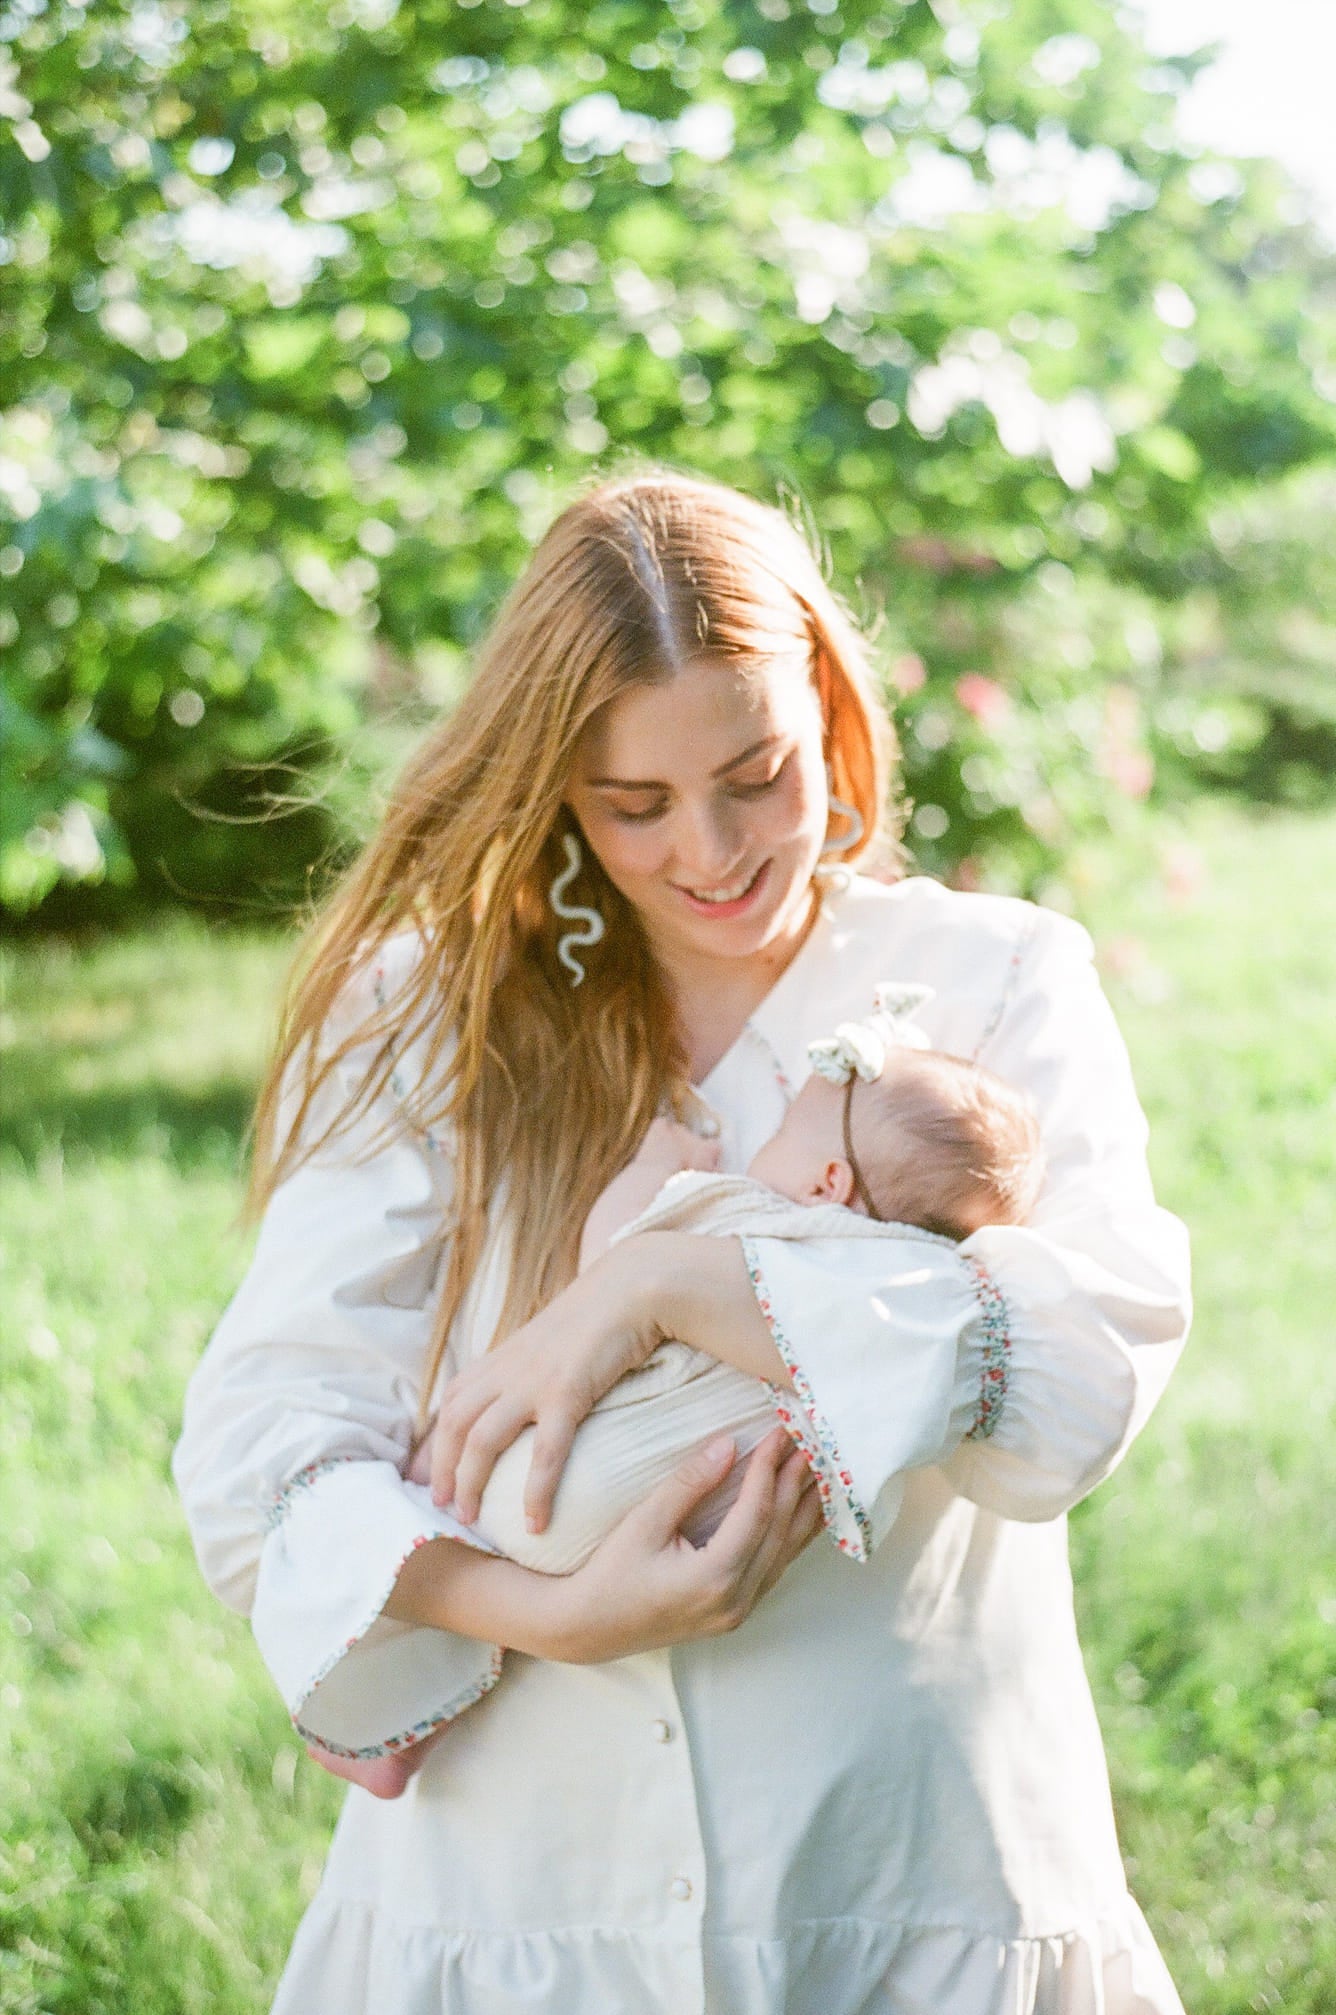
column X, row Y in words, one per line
column 731, row 909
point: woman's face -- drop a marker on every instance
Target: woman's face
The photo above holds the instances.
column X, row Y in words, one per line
column 705, row 801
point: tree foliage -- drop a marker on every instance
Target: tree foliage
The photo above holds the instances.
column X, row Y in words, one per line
column 315, row 314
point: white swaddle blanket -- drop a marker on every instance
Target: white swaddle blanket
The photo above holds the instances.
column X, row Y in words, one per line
column 642, row 1428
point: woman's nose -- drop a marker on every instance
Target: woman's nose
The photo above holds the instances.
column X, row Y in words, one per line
column 709, row 844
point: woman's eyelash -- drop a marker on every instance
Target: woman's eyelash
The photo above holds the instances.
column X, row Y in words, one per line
column 638, row 818
column 643, row 816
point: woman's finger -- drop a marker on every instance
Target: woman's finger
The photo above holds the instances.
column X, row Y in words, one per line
column 551, row 1445
column 794, row 1501
column 744, row 1525
column 808, row 1520
column 662, row 1514
column 503, row 1422
column 805, row 1523
column 779, row 1506
column 465, row 1400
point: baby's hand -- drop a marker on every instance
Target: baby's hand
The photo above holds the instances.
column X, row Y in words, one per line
column 669, row 1146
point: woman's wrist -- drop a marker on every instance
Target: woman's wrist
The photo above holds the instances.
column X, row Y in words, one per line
column 633, row 1289
column 449, row 1585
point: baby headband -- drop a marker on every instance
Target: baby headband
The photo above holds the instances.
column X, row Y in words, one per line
column 859, row 1049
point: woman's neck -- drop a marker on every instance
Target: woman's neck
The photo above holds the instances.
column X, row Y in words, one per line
column 716, row 997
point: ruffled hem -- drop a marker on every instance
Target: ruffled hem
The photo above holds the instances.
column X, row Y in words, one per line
column 356, row 1682
column 352, row 1959
column 408, row 1738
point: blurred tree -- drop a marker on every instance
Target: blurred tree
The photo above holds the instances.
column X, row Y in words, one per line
column 316, row 313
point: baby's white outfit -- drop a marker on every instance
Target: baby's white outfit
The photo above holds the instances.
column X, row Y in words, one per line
column 886, row 1790
column 641, row 1429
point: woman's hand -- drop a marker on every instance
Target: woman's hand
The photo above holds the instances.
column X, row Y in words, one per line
column 645, row 1586
column 548, row 1375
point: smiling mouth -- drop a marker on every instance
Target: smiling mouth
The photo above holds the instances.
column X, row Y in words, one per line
column 730, row 897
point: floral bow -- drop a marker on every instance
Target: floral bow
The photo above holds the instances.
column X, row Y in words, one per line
column 860, row 1048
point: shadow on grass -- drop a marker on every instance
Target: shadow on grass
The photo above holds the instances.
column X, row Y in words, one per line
column 189, row 1129
column 129, row 1802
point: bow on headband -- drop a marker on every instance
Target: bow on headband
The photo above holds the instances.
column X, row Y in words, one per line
column 860, row 1048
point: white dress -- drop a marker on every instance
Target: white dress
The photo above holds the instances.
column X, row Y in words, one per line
column 887, row 1790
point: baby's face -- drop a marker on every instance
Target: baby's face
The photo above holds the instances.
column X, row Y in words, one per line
column 805, row 1160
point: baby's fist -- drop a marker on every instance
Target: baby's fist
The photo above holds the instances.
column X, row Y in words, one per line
column 670, row 1146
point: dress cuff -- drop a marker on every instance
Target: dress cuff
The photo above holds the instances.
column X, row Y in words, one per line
column 357, row 1682
column 896, row 1348
column 846, row 1517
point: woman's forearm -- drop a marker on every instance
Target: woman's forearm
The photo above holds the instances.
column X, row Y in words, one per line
column 697, row 1290
column 450, row 1586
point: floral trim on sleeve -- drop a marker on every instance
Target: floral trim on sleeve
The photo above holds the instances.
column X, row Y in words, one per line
column 421, row 1729
column 394, row 1745
column 846, row 1519
column 405, row 1739
column 303, row 1480
column 995, row 1364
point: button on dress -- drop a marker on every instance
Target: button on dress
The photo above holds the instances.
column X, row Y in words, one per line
column 887, row 1789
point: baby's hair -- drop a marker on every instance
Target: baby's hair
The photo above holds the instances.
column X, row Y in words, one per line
column 946, row 1145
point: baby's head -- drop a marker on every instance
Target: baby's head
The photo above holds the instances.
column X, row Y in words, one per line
column 936, row 1142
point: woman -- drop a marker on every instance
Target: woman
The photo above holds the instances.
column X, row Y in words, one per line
column 605, row 887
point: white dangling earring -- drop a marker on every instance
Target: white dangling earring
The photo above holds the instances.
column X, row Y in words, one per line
column 593, row 925
column 842, row 811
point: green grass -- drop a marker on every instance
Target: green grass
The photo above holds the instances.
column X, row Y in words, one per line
column 1206, row 1568
column 160, row 1827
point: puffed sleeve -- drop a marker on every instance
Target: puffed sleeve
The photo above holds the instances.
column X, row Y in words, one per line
column 297, row 1424
column 1022, row 1361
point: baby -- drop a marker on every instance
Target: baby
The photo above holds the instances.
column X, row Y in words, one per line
column 884, row 1131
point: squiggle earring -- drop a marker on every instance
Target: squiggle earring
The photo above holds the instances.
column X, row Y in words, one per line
column 573, row 912
column 842, row 811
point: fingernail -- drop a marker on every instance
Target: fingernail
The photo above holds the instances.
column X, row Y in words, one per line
column 722, row 1445
column 530, row 1522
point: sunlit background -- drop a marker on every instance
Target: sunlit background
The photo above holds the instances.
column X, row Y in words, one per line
column 1267, row 90
column 313, row 316
column 319, row 312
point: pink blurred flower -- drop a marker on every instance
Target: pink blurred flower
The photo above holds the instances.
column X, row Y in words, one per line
column 1184, row 874
column 1122, row 757
column 1123, row 957
column 983, row 698
column 909, row 674
column 1132, row 772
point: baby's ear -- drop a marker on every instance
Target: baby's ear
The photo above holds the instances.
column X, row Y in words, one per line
column 836, row 1184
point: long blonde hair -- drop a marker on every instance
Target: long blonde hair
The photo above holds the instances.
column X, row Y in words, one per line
column 542, row 1085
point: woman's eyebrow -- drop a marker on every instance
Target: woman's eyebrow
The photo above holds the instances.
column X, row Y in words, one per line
column 648, row 784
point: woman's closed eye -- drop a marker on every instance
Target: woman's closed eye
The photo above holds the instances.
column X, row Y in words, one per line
column 735, row 787
column 641, row 815
column 756, row 787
